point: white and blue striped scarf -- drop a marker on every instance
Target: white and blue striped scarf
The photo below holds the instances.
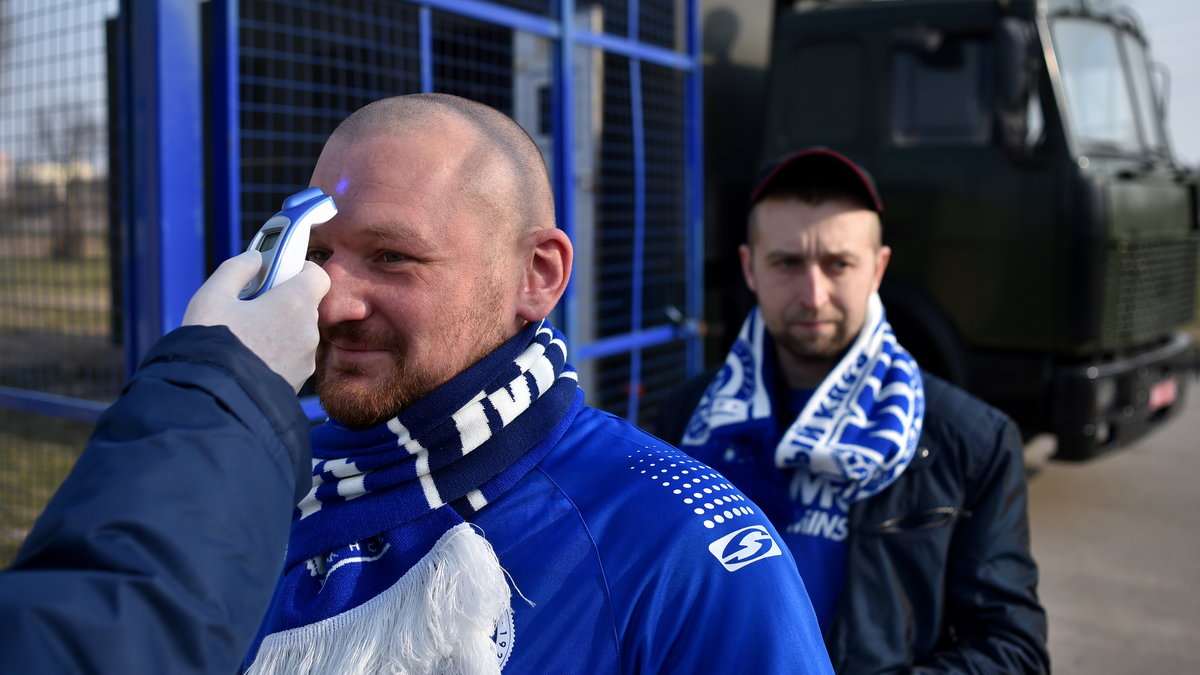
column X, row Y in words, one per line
column 381, row 567
column 859, row 430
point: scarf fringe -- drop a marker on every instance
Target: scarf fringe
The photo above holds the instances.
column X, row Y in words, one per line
column 438, row 618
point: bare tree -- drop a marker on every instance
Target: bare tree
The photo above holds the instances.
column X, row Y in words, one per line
column 69, row 138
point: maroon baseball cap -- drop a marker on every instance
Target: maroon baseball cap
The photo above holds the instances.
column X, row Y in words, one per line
column 816, row 163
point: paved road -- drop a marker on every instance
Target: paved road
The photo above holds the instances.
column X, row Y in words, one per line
column 1117, row 540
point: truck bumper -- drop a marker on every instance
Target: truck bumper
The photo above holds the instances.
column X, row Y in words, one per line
column 1105, row 405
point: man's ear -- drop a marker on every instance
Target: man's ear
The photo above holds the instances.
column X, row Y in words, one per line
column 745, row 254
column 881, row 262
column 547, row 271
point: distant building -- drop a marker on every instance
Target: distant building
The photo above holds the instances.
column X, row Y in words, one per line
column 6, row 174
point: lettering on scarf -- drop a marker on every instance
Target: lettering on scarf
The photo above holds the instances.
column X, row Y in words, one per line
column 366, row 551
column 841, row 389
column 733, row 393
column 827, row 410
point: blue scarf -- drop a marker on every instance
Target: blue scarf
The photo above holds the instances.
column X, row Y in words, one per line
column 859, row 430
column 853, row 438
column 380, row 552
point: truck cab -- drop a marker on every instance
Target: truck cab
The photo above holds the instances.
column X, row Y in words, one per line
column 1044, row 236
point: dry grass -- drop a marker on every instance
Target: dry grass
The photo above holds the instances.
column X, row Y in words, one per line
column 36, row 453
column 55, row 338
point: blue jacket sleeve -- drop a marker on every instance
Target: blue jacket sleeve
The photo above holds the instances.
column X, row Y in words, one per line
column 160, row 551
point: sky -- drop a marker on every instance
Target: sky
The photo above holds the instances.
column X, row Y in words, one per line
column 1173, row 28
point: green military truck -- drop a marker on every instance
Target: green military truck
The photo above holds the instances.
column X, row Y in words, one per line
column 1044, row 237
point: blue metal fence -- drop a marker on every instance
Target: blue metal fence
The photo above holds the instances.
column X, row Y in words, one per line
column 609, row 96
column 219, row 109
column 60, row 277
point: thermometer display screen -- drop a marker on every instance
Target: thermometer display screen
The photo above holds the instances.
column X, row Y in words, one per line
column 268, row 240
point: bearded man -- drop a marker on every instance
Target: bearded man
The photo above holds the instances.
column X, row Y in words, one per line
column 469, row 513
column 901, row 497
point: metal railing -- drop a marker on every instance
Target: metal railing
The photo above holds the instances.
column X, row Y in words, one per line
column 143, row 142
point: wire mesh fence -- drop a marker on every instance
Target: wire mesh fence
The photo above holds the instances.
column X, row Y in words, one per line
column 60, row 328
column 301, row 66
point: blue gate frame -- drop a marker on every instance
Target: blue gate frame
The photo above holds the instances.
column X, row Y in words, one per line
column 162, row 124
column 565, row 36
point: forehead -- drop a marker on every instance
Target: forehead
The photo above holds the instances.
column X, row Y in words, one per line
column 778, row 221
column 375, row 164
column 392, row 187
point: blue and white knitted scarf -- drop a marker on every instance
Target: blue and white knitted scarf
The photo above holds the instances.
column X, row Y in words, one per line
column 859, row 429
column 382, row 572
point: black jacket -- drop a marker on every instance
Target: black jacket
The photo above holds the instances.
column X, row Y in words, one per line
column 939, row 575
column 160, row 552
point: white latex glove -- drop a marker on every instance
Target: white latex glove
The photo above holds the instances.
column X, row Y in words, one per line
column 280, row 326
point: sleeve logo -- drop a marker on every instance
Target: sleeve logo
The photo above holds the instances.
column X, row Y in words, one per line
column 742, row 547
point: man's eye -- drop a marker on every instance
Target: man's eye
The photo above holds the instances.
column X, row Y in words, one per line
column 317, row 256
column 392, row 257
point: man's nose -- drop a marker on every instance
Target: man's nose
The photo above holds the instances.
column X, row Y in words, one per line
column 814, row 289
column 347, row 296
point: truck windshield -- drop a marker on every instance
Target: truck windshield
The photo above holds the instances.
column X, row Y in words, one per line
column 1106, row 82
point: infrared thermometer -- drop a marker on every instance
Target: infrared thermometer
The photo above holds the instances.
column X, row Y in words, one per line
column 283, row 239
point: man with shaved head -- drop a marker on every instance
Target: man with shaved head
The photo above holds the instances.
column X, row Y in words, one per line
column 469, row 514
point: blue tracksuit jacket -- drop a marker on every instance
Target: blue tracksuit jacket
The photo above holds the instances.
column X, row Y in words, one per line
column 636, row 558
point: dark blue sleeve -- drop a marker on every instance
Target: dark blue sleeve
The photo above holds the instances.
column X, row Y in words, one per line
column 160, row 551
column 991, row 578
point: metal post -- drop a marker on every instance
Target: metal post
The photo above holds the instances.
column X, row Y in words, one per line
column 564, row 142
column 226, row 131
column 166, row 186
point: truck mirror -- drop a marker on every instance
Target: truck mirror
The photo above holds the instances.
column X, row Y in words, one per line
column 1016, row 86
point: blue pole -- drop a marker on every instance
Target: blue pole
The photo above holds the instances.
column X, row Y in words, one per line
column 694, row 191
column 425, row 38
column 166, row 186
column 563, row 125
column 226, row 131
column 639, row 227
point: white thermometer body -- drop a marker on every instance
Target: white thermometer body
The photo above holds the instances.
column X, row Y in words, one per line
column 283, row 239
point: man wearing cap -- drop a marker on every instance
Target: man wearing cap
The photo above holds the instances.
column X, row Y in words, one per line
column 901, row 497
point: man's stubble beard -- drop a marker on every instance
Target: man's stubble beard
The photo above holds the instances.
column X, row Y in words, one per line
column 347, row 394
column 347, row 397
column 814, row 354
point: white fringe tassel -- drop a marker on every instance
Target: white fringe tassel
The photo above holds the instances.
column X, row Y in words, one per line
column 438, row 618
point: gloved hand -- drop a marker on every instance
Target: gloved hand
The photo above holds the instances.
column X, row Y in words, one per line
column 280, row 326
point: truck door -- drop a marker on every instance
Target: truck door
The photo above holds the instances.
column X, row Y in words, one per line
column 969, row 191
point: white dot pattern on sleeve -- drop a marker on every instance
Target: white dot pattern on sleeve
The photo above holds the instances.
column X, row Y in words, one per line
column 699, row 488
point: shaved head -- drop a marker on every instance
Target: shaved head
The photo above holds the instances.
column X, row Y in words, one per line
column 444, row 246
column 503, row 173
